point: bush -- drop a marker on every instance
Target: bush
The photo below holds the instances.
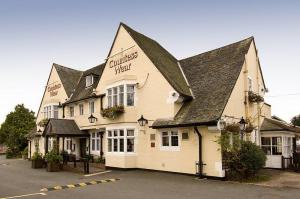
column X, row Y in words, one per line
column 52, row 156
column 245, row 162
column 37, row 156
column 11, row 154
column 25, row 151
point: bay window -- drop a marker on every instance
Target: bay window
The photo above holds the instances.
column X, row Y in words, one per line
column 271, row 145
column 120, row 140
column 116, row 96
column 50, row 111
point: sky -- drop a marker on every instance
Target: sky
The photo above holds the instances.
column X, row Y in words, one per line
column 79, row 34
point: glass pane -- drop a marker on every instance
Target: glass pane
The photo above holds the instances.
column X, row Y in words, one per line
column 98, row 144
column 276, row 141
column 265, row 141
column 174, row 140
column 130, row 88
column 115, row 145
column 115, row 90
column 109, row 144
column 121, row 99
column 174, row 133
column 276, row 150
column 165, row 133
column 93, row 145
column 130, row 132
column 266, row 149
column 93, row 135
column 121, row 132
column 130, row 145
column 121, row 88
column 109, row 134
column 115, row 133
column 130, row 99
column 165, row 141
column 109, row 101
column 115, row 100
column 109, row 91
column 121, row 145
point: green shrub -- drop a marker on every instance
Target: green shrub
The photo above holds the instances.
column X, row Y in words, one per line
column 37, row 156
column 242, row 159
column 10, row 154
column 52, row 156
column 25, row 151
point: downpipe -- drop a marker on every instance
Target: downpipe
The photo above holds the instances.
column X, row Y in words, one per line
column 200, row 163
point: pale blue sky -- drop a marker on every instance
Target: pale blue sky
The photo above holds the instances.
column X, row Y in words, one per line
column 78, row 34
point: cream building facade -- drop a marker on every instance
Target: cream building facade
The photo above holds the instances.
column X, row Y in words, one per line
column 183, row 101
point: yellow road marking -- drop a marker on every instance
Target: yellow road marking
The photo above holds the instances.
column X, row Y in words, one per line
column 57, row 188
column 93, row 182
column 82, row 184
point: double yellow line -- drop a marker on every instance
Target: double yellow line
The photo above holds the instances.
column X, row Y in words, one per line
column 83, row 184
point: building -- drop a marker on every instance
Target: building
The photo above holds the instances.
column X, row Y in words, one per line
column 98, row 111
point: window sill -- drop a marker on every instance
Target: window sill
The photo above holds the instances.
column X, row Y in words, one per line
column 121, row 153
column 170, row 148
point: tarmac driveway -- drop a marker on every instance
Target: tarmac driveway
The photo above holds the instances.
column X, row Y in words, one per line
column 17, row 178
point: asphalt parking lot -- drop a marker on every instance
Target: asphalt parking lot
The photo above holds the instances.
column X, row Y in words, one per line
column 17, row 179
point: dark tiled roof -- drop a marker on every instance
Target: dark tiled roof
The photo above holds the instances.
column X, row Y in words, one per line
column 81, row 92
column 212, row 76
column 278, row 125
column 69, row 77
column 63, row 127
column 162, row 59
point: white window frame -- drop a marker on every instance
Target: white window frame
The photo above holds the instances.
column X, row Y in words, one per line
column 89, row 80
column 91, row 111
column 68, row 144
column 81, row 109
column 170, row 148
column 72, row 113
column 95, row 137
column 118, row 137
column 49, row 111
column 110, row 96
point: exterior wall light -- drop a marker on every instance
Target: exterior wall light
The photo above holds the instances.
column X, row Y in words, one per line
column 92, row 119
column 242, row 123
column 142, row 121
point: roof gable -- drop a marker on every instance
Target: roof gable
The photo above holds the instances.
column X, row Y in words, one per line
column 69, row 77
column 63, row 127
column 81, row 92
column 277, row 125
column 166, row 63
column 212, row 76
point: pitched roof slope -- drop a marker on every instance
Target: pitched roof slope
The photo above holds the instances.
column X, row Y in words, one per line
column 69, row 77
column 63, row 127
column 212, row 76
column 81, row 92
column 278, row 125
column 166, row 63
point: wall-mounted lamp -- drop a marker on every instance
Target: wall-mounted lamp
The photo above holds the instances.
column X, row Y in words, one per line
column 142, row 121
column 92, row 119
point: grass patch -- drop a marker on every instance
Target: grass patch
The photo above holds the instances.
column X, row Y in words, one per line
column 257, row 178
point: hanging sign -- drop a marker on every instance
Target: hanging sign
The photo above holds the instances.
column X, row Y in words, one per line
column 123, row 63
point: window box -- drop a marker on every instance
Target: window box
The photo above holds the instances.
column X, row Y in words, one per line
column 112, row 112
column 254, row 98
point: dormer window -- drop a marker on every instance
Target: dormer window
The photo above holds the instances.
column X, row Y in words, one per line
column 89, row 80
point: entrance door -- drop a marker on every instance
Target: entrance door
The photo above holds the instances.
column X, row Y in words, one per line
column 82, row 147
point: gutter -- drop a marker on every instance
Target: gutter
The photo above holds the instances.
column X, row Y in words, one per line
column 200, row 163
column 210, row 123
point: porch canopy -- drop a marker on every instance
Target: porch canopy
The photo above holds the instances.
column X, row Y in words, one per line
column 278, row 140
column 62, row 128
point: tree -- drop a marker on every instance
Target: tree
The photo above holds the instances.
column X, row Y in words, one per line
column 296, row 120
column 16, row 126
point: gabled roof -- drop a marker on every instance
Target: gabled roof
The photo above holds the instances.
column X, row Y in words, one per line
column 63, row 127
column 69, row 77
column 166, row 63
column 81, row 92
column 278, row 125
column 212, row 76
